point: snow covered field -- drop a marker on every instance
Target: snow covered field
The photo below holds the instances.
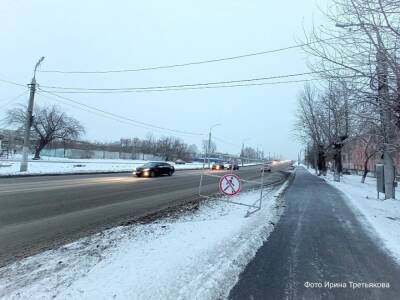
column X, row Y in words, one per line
column 197, row 255
column 381, row 217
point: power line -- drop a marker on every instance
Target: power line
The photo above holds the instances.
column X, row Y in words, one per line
column 192, row 63
column 86, row 110
column 12, row 99
column 190, row 84
column 225, row 141
column 12, row 82
column 114, row 115
column 187, row 88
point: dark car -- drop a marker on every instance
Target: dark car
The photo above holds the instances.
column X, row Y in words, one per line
column 231, row 166
column 217, row 166
column 153, row 169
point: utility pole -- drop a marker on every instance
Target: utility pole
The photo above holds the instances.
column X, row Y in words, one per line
column 28, row 121
column 385, row 115
column 208, row 148
column 242, row 154
column 209, row 143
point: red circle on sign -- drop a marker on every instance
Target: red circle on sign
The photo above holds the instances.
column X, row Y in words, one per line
column 229, row 185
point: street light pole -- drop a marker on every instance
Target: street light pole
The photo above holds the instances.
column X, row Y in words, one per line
column 29, row 119
column 386, row 117
column 209, row 143
column 242, row 152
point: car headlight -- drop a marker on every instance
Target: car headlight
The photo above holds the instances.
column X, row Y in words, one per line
column 146, row 170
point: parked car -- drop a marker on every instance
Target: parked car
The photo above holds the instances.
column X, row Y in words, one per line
column 217, row 166
column 152, row 169
column 180, row 162
column 267, row 167
column 229, row 166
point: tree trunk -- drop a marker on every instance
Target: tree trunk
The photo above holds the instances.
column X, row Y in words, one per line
column 38, row 150
column 321, row 162
column 365, row 170
column 337, row 167
column 315, row 154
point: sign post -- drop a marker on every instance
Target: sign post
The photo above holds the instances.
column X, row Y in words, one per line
column 380, row 178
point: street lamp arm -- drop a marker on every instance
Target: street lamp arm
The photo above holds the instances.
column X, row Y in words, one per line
column 215, row 125
column 37, row 65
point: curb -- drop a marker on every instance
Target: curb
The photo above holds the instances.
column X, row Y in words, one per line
column 280, row 193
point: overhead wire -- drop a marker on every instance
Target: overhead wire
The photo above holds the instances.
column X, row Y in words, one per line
column 189, row 85
column 12, row 99
column 70, row 104
column 184, row 88
column 224, row 141
column 13, row 83
column 136, row 122
column 170, row 66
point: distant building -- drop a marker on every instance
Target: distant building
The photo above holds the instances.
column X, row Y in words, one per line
column 353, row 157
column 10, row 142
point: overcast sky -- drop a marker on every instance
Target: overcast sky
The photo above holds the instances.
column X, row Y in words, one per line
column 102, row 35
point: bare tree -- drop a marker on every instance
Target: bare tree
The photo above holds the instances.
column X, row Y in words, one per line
column 307, row 126
column 193, row 151
column 49, row 124
column 213, row 147
column 249, row 153
column 361, row 48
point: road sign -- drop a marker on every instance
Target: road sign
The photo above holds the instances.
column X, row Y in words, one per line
column 229, row 184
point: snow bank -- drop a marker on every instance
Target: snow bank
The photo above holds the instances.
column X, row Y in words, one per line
column 380, row 217
column 195, row 256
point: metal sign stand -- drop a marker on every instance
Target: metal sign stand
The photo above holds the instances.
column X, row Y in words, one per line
column 252, row 208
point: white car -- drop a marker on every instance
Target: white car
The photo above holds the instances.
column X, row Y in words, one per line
column 267, row 167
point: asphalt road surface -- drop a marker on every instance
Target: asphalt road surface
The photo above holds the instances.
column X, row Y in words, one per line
column 317, row 240
column 38, row 213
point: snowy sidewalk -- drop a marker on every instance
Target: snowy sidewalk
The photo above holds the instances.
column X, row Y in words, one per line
column 319, row 250
column 380, row 217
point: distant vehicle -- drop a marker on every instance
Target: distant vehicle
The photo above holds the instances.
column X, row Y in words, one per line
column 267, row 167
column 229, row 166
column 152, row 169
column 217, row 166
column 180, row 162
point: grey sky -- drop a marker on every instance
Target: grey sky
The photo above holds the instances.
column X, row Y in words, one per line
column 98, row 35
